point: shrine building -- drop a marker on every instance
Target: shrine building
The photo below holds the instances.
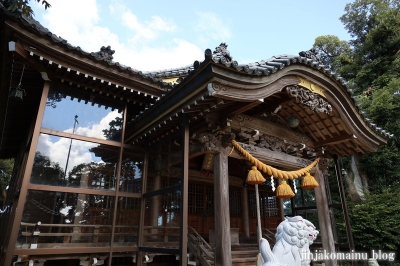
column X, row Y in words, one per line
column 114, row 166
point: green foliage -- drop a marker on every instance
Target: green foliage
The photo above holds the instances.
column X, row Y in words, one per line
column 375, row 26
column 6, row 168
column 375, row 223
column 23, row 6
column 45, row 171
column 372, row 67
column 114, row 132
column 333, row 52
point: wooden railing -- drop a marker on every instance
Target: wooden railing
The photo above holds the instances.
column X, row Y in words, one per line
column 269, row 235
column 158, row 236
column 44, row 235
column 199, row 247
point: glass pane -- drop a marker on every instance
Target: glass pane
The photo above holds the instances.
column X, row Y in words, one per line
column 54, row 220
column 84, row 115
column 303, row 197
column 164, row 165
column 74, row 163
column 162, row 220
column 127, row 222
column 131, row 172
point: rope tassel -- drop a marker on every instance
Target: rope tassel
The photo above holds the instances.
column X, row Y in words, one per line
column 255, row 177
column 309, row 182
column 284, row 191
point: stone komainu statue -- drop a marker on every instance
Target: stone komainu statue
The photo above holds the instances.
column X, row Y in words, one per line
column 293, row 238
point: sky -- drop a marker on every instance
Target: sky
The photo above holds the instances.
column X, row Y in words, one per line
column 158, row 34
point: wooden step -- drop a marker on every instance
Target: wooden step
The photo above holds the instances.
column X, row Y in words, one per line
column 240, row 261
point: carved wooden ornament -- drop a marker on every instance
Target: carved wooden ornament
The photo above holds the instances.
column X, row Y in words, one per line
column 309, row 99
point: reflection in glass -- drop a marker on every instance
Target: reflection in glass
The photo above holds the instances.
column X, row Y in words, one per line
column 162, row 220
column 80, row 164
column 91, row 118
column 303, row 197
column 54, row 219
column 164, row 165
column 126, row 225
column 131, row 172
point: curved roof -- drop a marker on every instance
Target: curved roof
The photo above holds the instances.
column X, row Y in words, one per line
column 233, row 82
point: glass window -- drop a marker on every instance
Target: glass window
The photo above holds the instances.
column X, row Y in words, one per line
column 84, row 115
column 164, row 165
column 162, row 220
column 54, row 220
column 126, row 225
column 73, row 163
column 131, row 172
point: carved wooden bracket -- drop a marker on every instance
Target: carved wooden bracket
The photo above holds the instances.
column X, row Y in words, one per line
column 211, row 142
column 308, row 99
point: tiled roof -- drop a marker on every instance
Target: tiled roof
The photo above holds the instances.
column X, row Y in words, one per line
column 169, row 73
column 272, row 65
column 34, row 24
column 220, row 56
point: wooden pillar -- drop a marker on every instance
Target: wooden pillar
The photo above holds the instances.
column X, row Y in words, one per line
column 140, row 255
column 222, row 253
column 183, row 245
column 155, row 200
column 245, row 212
column 325, row 227
column 19, row 203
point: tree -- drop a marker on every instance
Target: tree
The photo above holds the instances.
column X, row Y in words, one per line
column 44, row 171
column 334, row 53
column 370, row 62
column 6, row 168
column 114, row 132
column 375, row 223
column 23, row 5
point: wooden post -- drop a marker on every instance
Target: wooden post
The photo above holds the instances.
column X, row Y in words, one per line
column 183, row 245
column 245, row 212
column 222, row 253
column 19, row 203
column 325, row 226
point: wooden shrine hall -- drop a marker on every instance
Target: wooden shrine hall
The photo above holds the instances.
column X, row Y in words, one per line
column 114, row 166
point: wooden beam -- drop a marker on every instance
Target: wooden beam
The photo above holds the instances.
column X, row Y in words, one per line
column 335, row 140
column 241, row 107
column 245, row 122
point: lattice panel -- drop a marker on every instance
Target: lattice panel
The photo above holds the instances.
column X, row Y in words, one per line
column 210, row 200
column 268, row 205
column 196, row 196
column 252, row 203
column 235, row 201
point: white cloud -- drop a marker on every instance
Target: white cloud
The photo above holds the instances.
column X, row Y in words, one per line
column 147, row 31
column 143, row 49
column 178, row 53
column 58, row 151
column 210, row 26
column 96, row 130
column 57, row 148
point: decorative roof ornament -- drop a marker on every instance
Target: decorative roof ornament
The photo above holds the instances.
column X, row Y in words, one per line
column 221, row 54
column 310, row 54
column 105, row 53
